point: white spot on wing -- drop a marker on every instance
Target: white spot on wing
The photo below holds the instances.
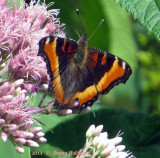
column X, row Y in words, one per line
column 47, row 41
column 124, row 65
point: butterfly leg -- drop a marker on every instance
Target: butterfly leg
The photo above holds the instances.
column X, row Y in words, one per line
column 57, row 105
column 45, row 94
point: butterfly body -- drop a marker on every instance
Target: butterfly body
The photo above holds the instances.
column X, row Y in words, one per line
column 81, row 54
column 78, row 72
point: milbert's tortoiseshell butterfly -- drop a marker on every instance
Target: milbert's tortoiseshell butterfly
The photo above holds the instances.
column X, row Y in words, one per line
column 78, row 72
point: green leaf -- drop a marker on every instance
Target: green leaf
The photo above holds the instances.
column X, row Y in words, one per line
column 7, row 149
column 141, row 132
column 147, row 12
column 157, row 3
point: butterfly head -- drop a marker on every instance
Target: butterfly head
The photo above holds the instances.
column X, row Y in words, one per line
column 83, row 40
column 80, row 56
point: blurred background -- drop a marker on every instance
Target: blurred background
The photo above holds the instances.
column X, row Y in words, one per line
column 124, row 37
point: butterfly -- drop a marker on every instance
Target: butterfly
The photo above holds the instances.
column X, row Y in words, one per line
column 78, row 72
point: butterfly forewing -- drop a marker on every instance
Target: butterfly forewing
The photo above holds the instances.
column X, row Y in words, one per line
column 57, row 52
column 107, row 69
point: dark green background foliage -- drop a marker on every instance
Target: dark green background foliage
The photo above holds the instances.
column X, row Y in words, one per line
column 132, row 108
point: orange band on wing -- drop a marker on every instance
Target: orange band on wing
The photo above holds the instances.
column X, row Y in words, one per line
column 63, row 46
column 88, row 94
column 114, row 73
column 94, row 57
column 70, row 48
column 50, row 50
column 103, row 62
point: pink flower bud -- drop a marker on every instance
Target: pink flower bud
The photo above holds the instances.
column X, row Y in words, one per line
column 26, row 125
column 20, row 149
column 22, row 134
column 10, row 115
column 6, row 99
column 32, row 144
column 10, row 128
column 120, row 147
column 95, row 141
column 2, row 121
column 64, row 112
column 72, row 105
column 35, row 130
column 107, row 150
column 20, row 141
column 3, row 65
column 24, row 92
column 18, row 100
column 115, row 140
column 31, row 88
column 11, row 90
column 18, row 83
column 102, row 143
column 26, row 99
column 4, row 136
column 114, row 153
column 44, row 87
column 21, row 72
column 41, row 140
column 18, row 90
column 20, row 119
column 3, row 109
column 103, row 136
column 4, row 88
column 38, row 135
column 98, row 130
column 123, row 155
column 90, row 131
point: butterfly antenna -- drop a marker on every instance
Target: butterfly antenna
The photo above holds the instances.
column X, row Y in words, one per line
column 74, row 31
column 77, row 11
column 77, row 33
column 96, row 29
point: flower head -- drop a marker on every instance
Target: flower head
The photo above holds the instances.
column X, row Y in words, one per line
column 21, row 28
column 99, row 145
column 15, row 119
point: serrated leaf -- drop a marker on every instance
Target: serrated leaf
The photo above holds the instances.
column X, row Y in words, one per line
column 147, row 12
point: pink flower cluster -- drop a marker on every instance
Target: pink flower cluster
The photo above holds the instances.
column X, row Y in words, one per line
column 27, row 25
column 15, row 119
column 21, row 70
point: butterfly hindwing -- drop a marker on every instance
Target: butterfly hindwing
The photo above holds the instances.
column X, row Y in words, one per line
column 100, row 74
column 78, row 85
